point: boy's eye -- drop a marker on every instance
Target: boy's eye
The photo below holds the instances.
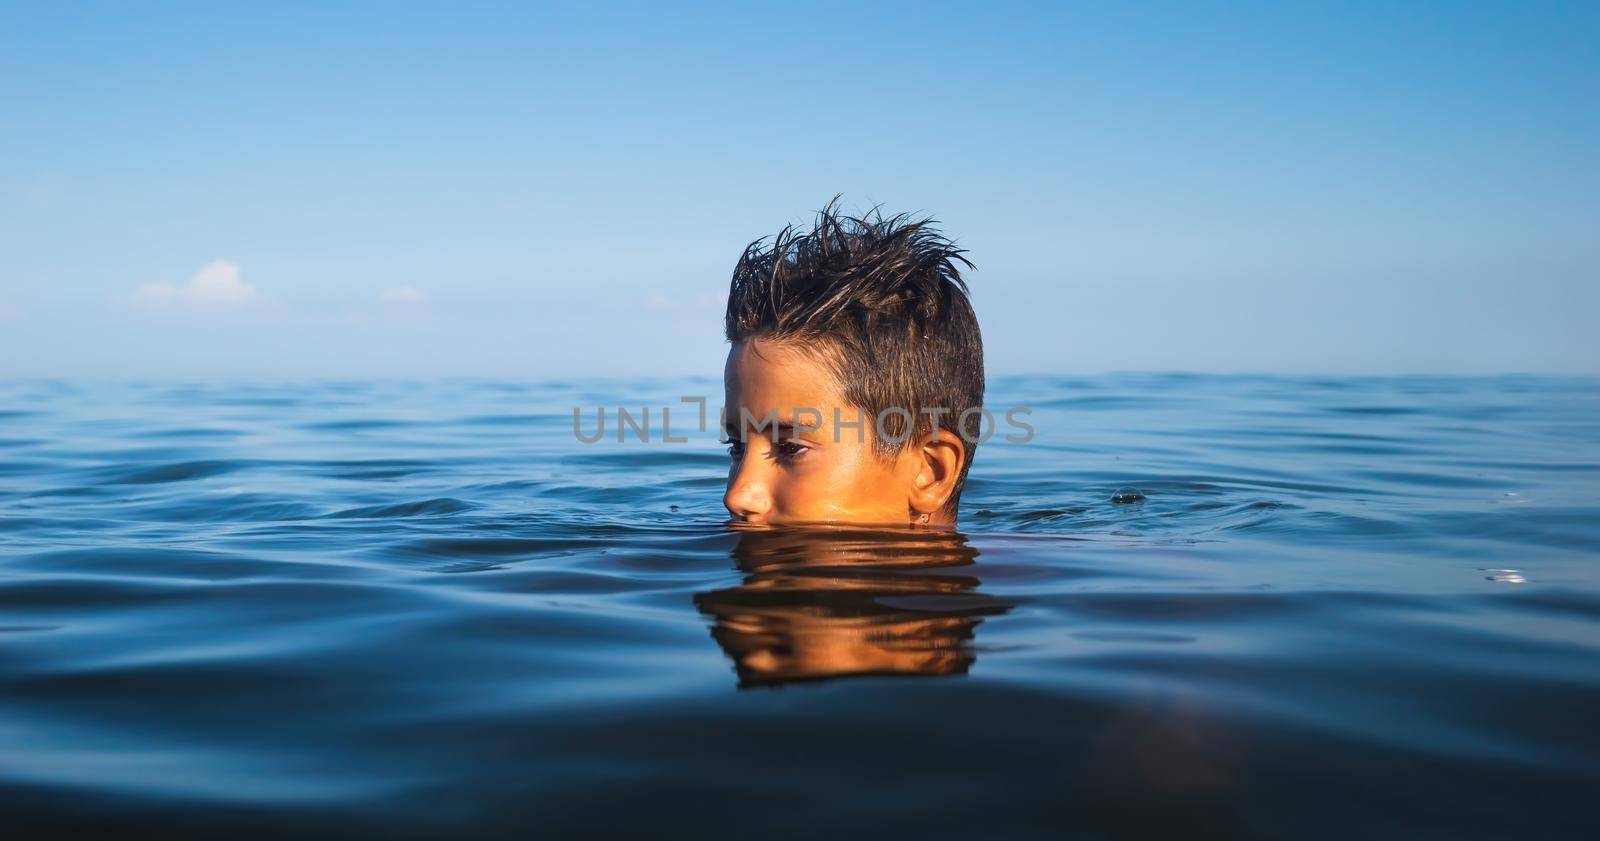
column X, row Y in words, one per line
column 791, row 449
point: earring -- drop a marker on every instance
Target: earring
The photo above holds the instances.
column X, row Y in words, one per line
column 923, row 518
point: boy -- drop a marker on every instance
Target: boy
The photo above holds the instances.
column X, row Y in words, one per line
column 855, row 376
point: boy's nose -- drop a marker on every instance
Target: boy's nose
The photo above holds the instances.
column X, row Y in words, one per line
column 747, row 497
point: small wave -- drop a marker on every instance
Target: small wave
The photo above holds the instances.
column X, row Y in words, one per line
column 258, row 402
column 1043, row 514
column 1429, row 480
column 226, row 506
column 421, row 508
column 377, row 468
column 496, row 547
column 186, row 433
column 1134, row 636
column 176, row 472
column 656, row 457
column 355, row 425
column 22, row 467
column 514, row 420
column 1378, row 411
column 148, row 563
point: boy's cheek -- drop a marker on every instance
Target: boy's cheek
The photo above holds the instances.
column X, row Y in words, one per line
column 839, row 489
column 798, row 497
column 811, row 492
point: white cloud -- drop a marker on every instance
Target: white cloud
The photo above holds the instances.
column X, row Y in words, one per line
column 404, row 295
column 216, row 285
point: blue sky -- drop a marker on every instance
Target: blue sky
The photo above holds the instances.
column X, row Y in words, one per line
column 284, row 190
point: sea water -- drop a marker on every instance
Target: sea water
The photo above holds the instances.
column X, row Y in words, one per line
column 1192, row 605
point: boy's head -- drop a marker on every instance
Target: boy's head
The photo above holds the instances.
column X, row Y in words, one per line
column 856, row 358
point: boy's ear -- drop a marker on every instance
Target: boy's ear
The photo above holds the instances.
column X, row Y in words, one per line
column 939, row 459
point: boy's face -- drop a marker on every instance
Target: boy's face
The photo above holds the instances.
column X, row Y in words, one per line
column 810, row 475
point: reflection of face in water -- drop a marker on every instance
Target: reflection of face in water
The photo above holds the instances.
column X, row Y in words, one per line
column 828, row 603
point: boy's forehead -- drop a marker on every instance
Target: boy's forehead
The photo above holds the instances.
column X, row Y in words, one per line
column 762, row 376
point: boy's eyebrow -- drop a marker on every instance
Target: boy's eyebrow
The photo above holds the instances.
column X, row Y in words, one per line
column 784, row 428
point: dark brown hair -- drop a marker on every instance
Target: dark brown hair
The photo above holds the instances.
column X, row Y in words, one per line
column 882, row 302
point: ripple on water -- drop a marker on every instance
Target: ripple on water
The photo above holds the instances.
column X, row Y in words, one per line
column 420, row 508
column 181, row 471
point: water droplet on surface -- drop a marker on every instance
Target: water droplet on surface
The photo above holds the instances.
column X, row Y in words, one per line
column 1123, row 496
column 1505, row 576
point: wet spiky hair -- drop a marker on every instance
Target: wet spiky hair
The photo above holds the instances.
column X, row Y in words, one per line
column 882, row 301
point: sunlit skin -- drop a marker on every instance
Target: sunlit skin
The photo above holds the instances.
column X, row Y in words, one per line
column 810, row 474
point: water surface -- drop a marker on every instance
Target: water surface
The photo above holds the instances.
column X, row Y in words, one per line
column 1342, row 607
